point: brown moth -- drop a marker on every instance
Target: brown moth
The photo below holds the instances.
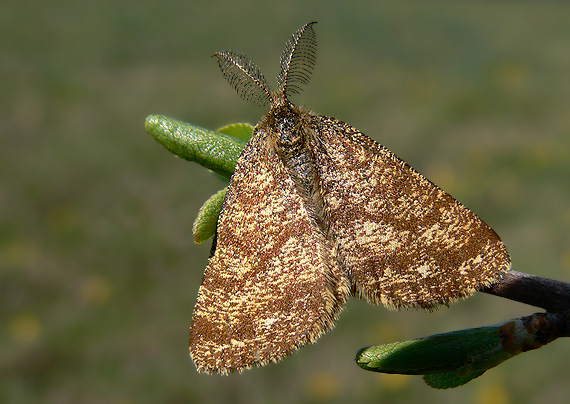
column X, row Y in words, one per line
column 316, row 212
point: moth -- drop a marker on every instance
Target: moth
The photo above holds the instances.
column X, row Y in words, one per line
column 316, row 212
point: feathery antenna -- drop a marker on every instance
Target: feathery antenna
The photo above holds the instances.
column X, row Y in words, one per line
column 244, row 76
column 297, row 61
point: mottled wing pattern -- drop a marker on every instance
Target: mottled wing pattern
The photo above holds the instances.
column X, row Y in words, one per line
column 269, row 287
column 403, row 241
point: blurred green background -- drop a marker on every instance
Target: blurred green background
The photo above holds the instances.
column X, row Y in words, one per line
column 98, row 272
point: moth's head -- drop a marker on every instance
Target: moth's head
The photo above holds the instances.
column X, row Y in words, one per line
column 297, row 63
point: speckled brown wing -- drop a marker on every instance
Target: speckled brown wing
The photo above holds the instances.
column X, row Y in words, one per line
column 403, row 241
column 269, row 287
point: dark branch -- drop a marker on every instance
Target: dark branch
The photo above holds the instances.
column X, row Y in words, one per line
column 549, row 294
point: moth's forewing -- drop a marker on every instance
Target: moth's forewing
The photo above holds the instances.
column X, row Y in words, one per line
column 404, row 242
column 269, row 287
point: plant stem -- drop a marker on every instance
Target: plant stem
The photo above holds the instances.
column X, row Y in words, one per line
column 549, row 294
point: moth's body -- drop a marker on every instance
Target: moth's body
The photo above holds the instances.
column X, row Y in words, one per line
column 316, row 212
column 285, row 129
